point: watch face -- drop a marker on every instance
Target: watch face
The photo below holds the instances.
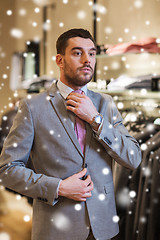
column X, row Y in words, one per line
column 98, row 119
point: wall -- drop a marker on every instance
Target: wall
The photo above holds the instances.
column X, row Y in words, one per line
column 7, row 46
column 128, row 21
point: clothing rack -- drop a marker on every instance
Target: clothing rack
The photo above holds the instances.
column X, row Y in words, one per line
column 148, row 102
column 137, row 192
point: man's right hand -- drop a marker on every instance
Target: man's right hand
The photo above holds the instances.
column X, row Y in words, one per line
column 75, row 188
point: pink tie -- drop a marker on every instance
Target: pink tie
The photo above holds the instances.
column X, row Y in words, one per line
column 80, row 128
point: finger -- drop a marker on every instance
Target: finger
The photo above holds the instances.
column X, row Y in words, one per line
column 82, row 200
column 70, row 108
column 85, row 196
column 76, row 94
column 90, row 187
column 76, row 97
column 81, row 173
column 71, row 102
column 87, row 181
column 73, row 96
column 79, row 198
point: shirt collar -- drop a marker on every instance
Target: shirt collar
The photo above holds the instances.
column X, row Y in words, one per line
column 65, row 90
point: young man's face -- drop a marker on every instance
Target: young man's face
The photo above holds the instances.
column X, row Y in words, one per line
column 78, row 63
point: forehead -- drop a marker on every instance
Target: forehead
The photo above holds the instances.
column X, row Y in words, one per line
column 84, row 43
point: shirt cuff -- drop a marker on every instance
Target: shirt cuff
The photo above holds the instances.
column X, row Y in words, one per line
column 58, row 188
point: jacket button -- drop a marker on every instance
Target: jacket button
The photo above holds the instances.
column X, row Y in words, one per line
column 107, row 140
column 42, row 199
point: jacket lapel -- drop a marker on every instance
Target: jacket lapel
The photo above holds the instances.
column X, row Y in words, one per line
column 59, row 107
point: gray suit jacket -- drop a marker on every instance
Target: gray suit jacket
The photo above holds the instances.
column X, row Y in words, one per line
column 42, row 148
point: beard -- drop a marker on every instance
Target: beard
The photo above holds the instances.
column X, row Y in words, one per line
column 77, row 78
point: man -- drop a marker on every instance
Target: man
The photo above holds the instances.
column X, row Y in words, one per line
column 70, row 180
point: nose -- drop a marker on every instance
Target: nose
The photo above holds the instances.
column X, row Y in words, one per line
column 86, row 58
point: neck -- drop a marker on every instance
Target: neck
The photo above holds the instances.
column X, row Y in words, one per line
column 70, row 85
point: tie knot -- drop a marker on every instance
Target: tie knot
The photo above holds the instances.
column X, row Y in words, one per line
column 78, row 91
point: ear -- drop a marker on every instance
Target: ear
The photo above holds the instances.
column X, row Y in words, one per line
column 59, row 60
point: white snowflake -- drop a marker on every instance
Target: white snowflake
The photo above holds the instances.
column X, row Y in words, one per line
column 120, row 105
column 54, row 58
column 29, row 96
column 48, row 98
column 78, row 207
column 143, row 219
column 26, row 218
column 105, row 171
column 116, row 146
column 16, row 33
column 61, row 221
column 101, row 197
column 9, row 12
column 5, row 236
column 22, row 12
column 65, row 1
column 132, row 194
column 4, row 76
column 147, row 171
column 2, row 188
column 18, row 197
column 15, row 144
column 5, row 118
column 37, row 10
column 123, row 198
column 144, row 147
column 51, row 132
column 115, row 218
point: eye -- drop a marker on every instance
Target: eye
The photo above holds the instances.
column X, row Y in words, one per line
column 92, row 54
column 77, row 53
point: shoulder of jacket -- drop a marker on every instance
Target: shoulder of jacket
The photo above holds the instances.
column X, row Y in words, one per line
column 36, row 98
column 100, row 96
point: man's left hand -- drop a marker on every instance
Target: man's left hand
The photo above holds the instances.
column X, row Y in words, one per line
column 82, row 106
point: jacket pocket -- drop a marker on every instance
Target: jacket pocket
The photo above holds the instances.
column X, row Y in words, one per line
column 109, row 187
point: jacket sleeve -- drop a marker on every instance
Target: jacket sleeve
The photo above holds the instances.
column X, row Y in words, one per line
column 115, row 138
column 14, row 172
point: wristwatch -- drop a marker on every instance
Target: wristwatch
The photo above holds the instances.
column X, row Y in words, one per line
column 97, row 121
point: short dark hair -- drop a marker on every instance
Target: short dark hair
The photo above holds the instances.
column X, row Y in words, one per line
column 62, row 40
